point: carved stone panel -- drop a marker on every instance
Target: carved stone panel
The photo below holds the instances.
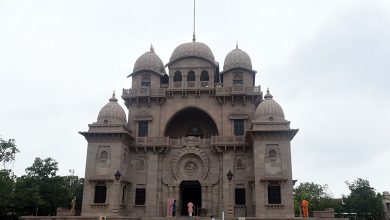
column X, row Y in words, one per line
column 190, row 163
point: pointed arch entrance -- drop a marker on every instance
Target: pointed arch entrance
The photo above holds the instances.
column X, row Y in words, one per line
column 190, row 191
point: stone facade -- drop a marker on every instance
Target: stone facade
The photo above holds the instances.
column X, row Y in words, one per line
column 193, row 134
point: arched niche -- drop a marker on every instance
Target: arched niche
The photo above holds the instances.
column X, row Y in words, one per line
column 191, row 121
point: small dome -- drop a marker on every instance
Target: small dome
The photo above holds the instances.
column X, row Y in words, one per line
column 112, row 113
column 192, row 49
column 149, row 61
column 237, row 59
column 269, row 110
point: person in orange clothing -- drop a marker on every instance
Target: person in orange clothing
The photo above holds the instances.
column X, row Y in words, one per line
column 305, row 208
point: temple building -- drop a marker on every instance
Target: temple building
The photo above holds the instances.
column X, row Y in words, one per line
column 193, row 133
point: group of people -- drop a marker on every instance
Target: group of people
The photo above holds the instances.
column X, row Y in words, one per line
column 190, row 209
column 173, row 208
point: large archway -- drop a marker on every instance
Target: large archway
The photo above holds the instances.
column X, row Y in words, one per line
column 190, row 191
column 191, row 121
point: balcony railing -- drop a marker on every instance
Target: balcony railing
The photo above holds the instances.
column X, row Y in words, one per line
column 227, row 140
column 152, row 141
column 144, row 91
column 238, row 89
column 185, row 141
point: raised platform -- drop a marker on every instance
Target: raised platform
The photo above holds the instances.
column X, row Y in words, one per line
column 161, row 218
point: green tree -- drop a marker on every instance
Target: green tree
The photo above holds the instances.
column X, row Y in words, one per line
column 48, row 190
column 43, row 169
column 27, row 198
column 7, row 150
column 75, row 186
column 363, row 200
column 41, row 191
column 7, row 184
column 317, row 195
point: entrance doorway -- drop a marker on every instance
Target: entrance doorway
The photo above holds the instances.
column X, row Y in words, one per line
column 190, row 191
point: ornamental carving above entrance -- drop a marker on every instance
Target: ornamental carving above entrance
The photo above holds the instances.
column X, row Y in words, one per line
column 190, row 164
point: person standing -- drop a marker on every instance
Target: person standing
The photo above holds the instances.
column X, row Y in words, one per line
column 190, row 208
column 305, row 208
column 174, row 208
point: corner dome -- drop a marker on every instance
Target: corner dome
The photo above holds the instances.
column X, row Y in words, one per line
column 269, row 110
column 112, row 113
column 192, row 49
column 149, row 61
column 237, row 58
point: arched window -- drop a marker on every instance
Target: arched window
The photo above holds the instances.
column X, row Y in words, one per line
column 164, row 79
column 239, row 163
column 103, row 156
column 145, row 80
column 191, row 76
column 204, row 76
column 237, row 78
column 177, row 76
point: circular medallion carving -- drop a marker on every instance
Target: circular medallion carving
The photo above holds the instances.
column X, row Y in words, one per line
column 190, row 163
column 191, row 168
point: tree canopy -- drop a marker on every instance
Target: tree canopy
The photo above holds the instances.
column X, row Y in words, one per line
column 8, row 150
column 318, row 196
column 363, row 200
column 43, row 168
column 40, row 192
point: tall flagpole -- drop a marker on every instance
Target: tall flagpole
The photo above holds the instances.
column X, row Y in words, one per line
column 193, row 36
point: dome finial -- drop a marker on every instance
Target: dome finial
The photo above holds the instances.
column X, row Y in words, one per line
column 268, row 95
column 151, row 48
column 236, row 44
column 113, row 98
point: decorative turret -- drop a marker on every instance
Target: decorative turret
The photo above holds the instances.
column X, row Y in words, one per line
column 112, row 113
column 237, row 58
column 269, row 110
column 149, row 61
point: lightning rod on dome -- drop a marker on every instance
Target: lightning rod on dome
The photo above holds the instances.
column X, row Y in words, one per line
column 193, row 35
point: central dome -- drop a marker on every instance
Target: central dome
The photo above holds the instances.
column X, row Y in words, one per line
column 192, row 49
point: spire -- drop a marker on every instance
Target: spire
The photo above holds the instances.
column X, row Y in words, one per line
column 113, row 99
column 268, row 95
column 151, row 48
column 193, row 35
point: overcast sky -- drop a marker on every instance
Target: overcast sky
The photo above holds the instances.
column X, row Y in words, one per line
column 327, row 63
